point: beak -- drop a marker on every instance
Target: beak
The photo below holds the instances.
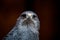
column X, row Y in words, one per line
column 29, row 16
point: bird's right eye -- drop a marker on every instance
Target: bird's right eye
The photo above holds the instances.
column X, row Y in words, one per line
column 23, row 15
column 34, row 16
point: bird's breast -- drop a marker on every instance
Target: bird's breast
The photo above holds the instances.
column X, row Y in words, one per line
column 28, row 35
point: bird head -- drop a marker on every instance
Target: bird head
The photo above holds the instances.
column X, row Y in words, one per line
column 28, row 17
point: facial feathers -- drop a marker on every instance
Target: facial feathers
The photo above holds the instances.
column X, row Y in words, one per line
column 26, row 27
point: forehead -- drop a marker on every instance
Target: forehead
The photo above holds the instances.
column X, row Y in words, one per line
column 29, row 13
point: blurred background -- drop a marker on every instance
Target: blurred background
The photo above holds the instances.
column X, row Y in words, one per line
column 47, row 10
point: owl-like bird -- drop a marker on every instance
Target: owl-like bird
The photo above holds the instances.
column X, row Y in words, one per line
column 26, row 27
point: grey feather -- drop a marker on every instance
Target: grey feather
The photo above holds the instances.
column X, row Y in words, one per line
column 25, row 29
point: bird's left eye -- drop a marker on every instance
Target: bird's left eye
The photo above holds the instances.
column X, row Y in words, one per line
column 23, row 15
column 34, row 16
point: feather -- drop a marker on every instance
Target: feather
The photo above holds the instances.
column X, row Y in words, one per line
column 26, row 27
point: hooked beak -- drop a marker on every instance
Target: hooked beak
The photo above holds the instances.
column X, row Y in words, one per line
column 29, row 16
column 28, row 20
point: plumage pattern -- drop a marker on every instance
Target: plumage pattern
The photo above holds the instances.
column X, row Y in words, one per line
column 26, row 27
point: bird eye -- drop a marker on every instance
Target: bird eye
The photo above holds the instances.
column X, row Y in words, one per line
column 34, row 16
column 23, row 15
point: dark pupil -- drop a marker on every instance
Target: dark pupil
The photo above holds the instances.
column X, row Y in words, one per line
column 23, row 15
column 34, row 16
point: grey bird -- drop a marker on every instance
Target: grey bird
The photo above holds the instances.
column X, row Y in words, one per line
column 26, row 28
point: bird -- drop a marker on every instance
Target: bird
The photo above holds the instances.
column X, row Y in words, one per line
column 26, row 28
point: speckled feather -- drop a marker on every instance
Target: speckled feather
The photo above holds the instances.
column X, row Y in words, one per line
column 23, row 31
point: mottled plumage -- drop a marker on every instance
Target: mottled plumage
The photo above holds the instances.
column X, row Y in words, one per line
column 26, row 27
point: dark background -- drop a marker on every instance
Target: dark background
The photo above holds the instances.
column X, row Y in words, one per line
column 47, row 11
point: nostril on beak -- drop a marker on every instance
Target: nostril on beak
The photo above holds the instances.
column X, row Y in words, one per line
column 28, row 18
